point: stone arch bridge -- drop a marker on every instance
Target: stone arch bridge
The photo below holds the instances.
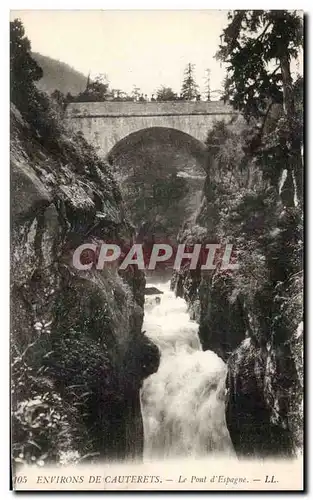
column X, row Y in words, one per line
column 105, row 124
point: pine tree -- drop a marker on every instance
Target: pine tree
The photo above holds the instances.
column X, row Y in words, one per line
column 88, row 83
column 190, row 89
column 208, row 85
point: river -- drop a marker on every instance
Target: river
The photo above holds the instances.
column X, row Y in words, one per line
column 183, row 404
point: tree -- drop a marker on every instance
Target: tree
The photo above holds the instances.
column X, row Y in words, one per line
column 257, row 47
column 190, row 89
column 34, row 106
column 98, row 88
column 208, row 85
column 166, row 94
column 118, row 95
column 59, row 97
column 136, row 93
column 24, row 70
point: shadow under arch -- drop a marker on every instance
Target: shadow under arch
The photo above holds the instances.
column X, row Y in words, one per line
column 180, row 150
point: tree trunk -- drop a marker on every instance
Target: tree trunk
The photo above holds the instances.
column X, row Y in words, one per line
column 294, row 167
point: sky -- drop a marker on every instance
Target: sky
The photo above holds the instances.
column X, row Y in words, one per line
column 143, row 48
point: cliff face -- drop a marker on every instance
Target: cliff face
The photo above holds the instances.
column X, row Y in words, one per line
column 78, row 354
column 251, row 317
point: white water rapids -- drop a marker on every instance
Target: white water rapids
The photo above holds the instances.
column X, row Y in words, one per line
column 183, row 403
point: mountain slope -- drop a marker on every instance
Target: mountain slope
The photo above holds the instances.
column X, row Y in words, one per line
column 59, row 75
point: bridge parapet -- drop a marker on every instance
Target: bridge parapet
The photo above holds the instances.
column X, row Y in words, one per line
column 169, row 108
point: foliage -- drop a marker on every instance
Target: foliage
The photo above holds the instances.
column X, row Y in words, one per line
column 40, row 425
column 59, row 98
column 208, row 85
column 35, row 106
column 97, row 90
column 55, row 407
column 256, row 46
column 23, row 68
column 120, row 95
column 166, row 94
column 136, row 94
column 190, row 89
column 98, row 87
column 83, row 374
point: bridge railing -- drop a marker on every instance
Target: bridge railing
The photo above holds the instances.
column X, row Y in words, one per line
column 169, row 108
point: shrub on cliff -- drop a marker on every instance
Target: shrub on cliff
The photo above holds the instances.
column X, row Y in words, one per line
column 84, row 376
column 41, row 429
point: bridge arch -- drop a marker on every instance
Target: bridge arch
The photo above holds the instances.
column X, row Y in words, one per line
column 104, row 124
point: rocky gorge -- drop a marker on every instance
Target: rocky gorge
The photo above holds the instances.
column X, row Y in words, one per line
column 252, row 317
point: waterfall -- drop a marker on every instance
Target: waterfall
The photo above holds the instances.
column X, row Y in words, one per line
column 183, row 404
